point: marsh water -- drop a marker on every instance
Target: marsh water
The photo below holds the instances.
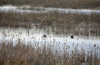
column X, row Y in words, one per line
column 86, row 37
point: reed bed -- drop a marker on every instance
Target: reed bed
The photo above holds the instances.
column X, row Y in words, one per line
column 46, row 54
column 92, row 4
column 60, row 23
column 52, row 18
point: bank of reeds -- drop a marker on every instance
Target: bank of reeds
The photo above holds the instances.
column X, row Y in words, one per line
column 61, row 23
column 52, row 18
column 56, row 3
column 33, row 54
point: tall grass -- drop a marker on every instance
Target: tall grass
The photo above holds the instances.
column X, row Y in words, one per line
column 53, row 18
column 60, row 23
column 33, row 54
column 55, row 3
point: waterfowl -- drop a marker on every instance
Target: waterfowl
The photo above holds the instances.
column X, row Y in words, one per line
column 71, row 36
column 44, row 36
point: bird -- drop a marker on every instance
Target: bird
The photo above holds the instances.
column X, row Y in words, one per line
column 71, row 36
column 44, row 36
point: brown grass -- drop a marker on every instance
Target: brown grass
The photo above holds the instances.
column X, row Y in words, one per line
column 56, row 3
column 53, row 18
column 22, row 54
column 60, row 23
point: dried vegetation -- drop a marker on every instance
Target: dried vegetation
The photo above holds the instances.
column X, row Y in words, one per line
column 56, row 3
column 33, row 54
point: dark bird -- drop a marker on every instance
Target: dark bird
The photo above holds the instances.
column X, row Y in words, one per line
column 44, row 36
column 71, row 36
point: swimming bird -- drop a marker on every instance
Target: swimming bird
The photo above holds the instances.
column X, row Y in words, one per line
column 44, row 36
column 71, row 36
